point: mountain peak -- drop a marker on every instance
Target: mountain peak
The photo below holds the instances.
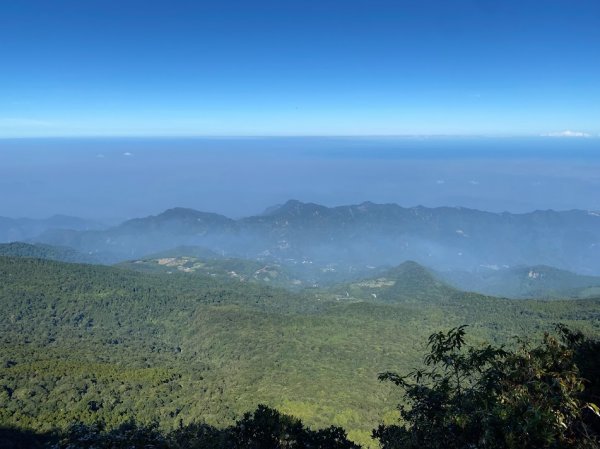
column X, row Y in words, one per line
column 295, row 207
column 410, row 268
column 407, row 282
column 180, row 217
column 180, row 212
column 185, row 213
column 414, row 281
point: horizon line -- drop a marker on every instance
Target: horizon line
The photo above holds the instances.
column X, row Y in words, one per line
column 549, row 136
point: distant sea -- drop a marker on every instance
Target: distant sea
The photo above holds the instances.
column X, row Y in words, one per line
column 119, row 178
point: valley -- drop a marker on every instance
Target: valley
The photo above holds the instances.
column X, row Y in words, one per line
column 83, row 342
column 299, row 224
column 205, row 317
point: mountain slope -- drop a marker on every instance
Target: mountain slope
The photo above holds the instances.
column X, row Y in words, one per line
column 141, row 236
column 89, row 343
column 223, row 268
column 526, row 282
column 362, row 235
column 409, row 282
column 40, row 251
column 178, row 220
column 18, row 229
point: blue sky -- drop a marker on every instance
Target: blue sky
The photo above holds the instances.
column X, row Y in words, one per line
column 127, row 68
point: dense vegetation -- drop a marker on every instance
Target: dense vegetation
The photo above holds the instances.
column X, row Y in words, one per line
column 265, row 428
column 485, row 396
column 525, row 282
column 493, row 398
column 95, row 344
column 222, row 268
column 290, row 274
column 41, row 251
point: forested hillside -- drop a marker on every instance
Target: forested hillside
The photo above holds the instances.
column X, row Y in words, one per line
column 526, row 282
column 89, row 343
column 41, row 251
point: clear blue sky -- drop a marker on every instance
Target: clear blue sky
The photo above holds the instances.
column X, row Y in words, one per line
column 313, row 67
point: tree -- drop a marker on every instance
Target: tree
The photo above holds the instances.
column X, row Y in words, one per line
column 127, row 436
column 492, row 398
column 266, row 428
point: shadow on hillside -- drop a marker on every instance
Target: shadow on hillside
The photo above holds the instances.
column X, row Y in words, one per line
column 11, row 438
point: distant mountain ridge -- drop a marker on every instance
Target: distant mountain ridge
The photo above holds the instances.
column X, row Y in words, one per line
column 179, row 218
column 360, row 235
column 19, row 229
column 522, row 282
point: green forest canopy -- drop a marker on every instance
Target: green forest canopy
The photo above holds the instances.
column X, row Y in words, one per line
column 100, row 344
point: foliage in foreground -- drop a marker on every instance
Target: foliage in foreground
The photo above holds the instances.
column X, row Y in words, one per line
column 466, row 397
column 265, row 428
column 492, row 398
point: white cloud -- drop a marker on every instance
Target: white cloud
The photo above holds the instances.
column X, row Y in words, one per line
column 567, row 133
column 127, row 154
column 440, row 181
column 473, row 182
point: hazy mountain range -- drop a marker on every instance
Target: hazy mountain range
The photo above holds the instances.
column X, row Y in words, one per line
column 14, row 229
column 350, row 237
column 204, row 333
